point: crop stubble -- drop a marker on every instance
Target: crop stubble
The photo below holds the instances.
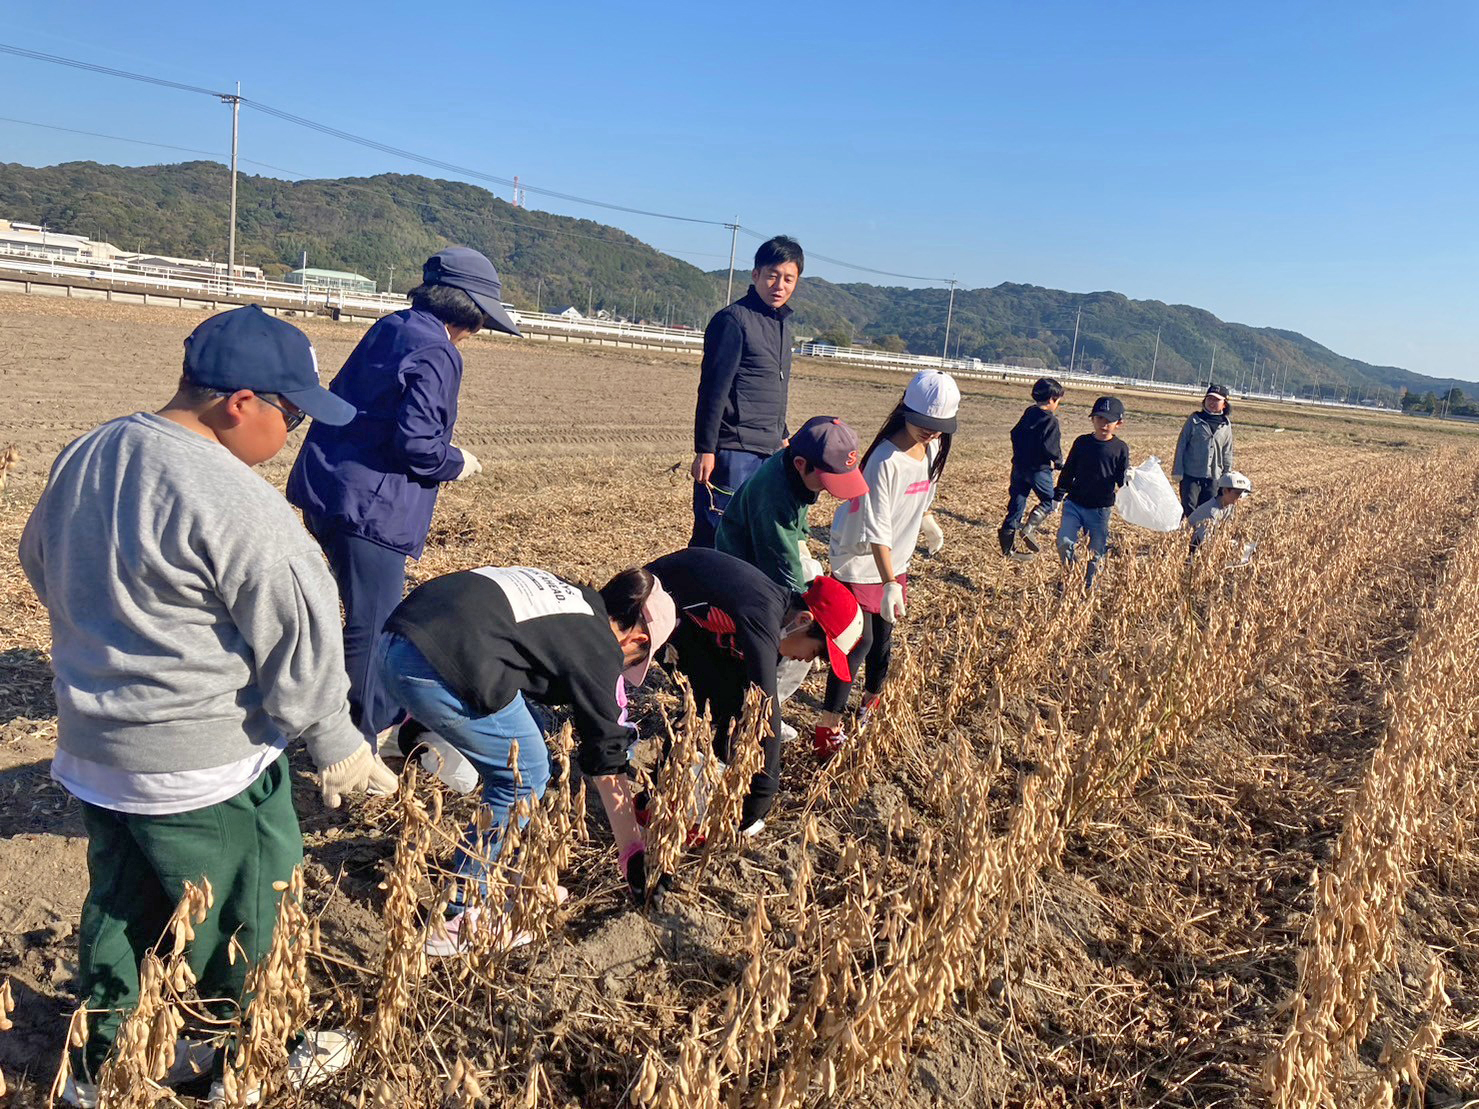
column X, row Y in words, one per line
column 1068, row 863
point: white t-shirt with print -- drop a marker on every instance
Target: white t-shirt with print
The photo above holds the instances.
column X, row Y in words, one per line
column 899, row 494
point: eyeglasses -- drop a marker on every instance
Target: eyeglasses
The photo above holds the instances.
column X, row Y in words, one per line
column 292, row 419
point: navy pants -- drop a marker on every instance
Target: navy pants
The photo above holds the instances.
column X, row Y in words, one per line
column 1024, row 485
column 372, row 580
column 731, row 470
column 1194, row 492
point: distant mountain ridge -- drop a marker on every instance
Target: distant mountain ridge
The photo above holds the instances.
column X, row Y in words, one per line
column 394, row 221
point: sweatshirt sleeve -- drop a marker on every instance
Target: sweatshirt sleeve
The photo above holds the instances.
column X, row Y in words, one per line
column 428, row 409
column 288, row 614
column 1178, row 460
column 1052, row 442
column 724, row 343
column 33, row 561
column 597, row 718
column 1067, row 474
column 1122, row 471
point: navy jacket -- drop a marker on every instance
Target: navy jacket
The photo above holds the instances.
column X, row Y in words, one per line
column 377, row 477
column 1037, row 442
column 744, row 379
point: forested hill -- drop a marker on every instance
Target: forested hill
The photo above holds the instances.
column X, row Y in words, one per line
column 369, row 225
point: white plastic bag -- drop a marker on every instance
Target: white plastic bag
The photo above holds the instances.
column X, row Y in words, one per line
column 1147, row 500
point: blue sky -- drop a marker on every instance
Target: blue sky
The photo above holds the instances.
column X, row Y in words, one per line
column 1297, row 165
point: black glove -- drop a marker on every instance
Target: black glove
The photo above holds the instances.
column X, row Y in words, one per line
column 636, row 876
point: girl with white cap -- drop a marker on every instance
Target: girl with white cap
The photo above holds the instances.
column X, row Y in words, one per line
column 873, row 536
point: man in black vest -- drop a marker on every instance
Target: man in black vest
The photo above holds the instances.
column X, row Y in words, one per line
column 740, row 419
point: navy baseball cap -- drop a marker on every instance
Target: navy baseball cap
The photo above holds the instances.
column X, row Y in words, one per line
column 464, row 268
column 1111, row 408
column 832, row 449
column 246, row 348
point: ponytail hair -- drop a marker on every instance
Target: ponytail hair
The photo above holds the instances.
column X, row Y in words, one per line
column 893, row 425
column 625, row 594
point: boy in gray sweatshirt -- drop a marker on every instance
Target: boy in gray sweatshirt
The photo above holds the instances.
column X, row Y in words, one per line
column 195, row 634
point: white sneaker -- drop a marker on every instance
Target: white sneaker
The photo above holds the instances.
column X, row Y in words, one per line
column 455, row 935
column 788, row 733
column 754, row 829
column 192, row 1059
column 318, row 1055
column 79, row 1093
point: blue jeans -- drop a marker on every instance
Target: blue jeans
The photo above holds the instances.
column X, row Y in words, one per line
column 731, row 470
column 1076, row 519
column 486, row 741
column 1024, row 485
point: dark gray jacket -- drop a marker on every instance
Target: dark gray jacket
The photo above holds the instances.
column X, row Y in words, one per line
column 744, row 380
column 1205, row 448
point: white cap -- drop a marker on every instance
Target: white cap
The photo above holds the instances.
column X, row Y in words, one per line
column 1234, row 480
column 932, row 399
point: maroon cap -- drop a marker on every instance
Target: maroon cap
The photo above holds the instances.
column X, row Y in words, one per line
column 832, row 449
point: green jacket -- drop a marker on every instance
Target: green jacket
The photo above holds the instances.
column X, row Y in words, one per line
column 765, row 523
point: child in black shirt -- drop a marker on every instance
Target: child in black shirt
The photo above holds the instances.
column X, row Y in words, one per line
column 1097, row 466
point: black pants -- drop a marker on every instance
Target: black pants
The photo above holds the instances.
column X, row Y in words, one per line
column 1195, row 491
column 874, row 649
column 720, row 682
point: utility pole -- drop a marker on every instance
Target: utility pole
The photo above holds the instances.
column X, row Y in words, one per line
column 1073, row 355
column 1212, row 373
column 1154, row 357
column 390, row 285
column 235, row 102
column 634, row 307
column 733, row 237
column 538, row 292
column 305, row 278
column 949, row 315
column 590, row 300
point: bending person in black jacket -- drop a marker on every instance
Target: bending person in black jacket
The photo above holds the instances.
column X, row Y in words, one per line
column 740, row 419
column 462, row 652
column 734, row 626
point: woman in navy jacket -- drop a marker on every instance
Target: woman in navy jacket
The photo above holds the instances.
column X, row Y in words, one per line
column 367, row 493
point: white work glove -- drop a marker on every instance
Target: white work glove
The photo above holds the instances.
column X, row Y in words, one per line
column 470, row 465
column 810, row 567
column 893, row 602
column 361, row 770
column 934, row 538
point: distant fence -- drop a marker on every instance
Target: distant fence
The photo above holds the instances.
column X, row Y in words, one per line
column 131, row 283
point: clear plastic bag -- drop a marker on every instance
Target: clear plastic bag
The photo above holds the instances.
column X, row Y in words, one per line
column 1147, row 500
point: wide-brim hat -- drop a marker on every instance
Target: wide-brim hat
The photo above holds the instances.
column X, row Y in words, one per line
column 464, row 268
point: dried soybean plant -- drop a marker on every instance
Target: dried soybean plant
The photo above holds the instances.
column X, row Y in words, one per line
column 1360, row 897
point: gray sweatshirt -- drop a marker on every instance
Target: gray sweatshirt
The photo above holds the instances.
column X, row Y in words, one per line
column 1204, row 449
column 192, row 616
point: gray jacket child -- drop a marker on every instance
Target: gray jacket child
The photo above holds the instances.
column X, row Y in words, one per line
column 1205, row 448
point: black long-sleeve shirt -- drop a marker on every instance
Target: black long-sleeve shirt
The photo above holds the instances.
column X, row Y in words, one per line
column 1037, row 443
column 1095, row 470
column 744, row 379
column 495, row 632
column 728, row 637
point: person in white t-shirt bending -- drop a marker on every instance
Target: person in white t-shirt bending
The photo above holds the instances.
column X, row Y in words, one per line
column 874, row 536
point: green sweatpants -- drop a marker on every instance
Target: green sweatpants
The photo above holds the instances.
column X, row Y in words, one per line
column 138, row 867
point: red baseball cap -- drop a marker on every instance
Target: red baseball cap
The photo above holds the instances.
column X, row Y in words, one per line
column 832, row 449
column 833, row 606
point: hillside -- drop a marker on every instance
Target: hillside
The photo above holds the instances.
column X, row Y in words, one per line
column 371, row 225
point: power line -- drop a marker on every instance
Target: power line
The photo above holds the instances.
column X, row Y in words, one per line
column 853, row 265
column 147, row 142
column 36, row 55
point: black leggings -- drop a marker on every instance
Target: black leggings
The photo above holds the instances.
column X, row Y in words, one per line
column 875, row 648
